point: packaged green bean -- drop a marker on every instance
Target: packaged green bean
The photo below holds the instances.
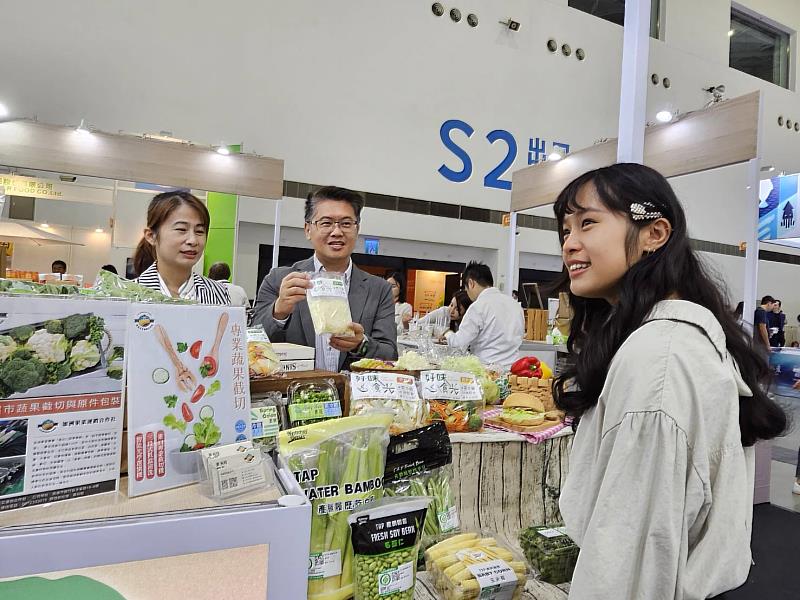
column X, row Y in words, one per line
column 551, row 552
column 386, row 539
column 339, row 465
column 418, row 463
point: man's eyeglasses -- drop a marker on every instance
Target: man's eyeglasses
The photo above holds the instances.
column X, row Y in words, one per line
column 328, row 225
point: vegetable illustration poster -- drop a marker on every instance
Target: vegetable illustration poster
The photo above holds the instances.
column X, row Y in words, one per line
column 61, row 412
column 188, row 389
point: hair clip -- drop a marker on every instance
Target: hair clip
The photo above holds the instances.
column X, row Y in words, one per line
column 644, row 211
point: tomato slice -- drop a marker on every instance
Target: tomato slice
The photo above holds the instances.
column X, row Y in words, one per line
column 198, row 393
column 186, row 412
column 195, row 349
column 212, row 365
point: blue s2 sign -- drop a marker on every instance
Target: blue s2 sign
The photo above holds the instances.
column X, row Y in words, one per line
column 537, row 151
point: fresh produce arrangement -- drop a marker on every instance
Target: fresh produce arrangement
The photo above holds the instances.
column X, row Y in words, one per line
column 373, row 364
column 339, row 464
column 464, row 364
column 464, row 566
column 312, row 402
column 110, row 285
column 454, row 398
column 412, row 361
column 18, row 286
column 530, row 366
column 551, row 552
column 385, row 539
column 419, row 463
column 49, row 352
column 328, row 304
column 386, row 392
column 262, row 360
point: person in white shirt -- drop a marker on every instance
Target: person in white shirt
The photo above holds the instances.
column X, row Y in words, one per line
column 403, row 311
column 666, row 387
column 493, row 326
column 221, row 271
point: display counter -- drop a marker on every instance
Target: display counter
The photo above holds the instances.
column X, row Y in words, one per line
column 122, row 540
column 503, row 484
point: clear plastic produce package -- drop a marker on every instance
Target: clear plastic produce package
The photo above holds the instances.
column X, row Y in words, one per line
column 469, row 566
column 419, row 463
column 385, row 541
column 328, row 304
column 382, row 392
column 454, row 398
column 551, row 552
column 339, row 465
column 312, row 402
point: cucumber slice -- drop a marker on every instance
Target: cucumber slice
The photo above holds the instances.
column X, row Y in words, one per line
column 206, row 412
column 160, row 376
column 190, row 441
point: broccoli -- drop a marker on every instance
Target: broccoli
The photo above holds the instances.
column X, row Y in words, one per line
column 54, row 326
column 114, row 372
column 21, row 375
column 22, row 353
column 22, row 333
column 58, row 371
column 76, row 326
column 119, row 352
column 5, row 391
column 96, row 331
column 5, row 285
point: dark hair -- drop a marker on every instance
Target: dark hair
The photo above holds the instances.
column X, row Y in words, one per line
column 161, row 207
column 738, row 312
column 768, row 300
column 463, row 302
column 479, row 273
column 331, row 192
column 401, row 282
column 219, row 270
column 778, row 302
column 599, row 329
column 59, row 262
column 110, row 269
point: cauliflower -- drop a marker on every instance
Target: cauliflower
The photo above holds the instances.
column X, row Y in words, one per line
column 49, row 347
column 7, row 346
column 84, row 355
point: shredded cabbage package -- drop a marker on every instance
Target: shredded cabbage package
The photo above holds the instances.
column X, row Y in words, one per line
column 328, row 304
column 372, row 393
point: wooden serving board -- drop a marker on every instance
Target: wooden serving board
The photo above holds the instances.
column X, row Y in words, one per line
column 495, row 421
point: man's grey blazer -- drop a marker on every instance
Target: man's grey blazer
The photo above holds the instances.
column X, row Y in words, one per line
column 371, row 305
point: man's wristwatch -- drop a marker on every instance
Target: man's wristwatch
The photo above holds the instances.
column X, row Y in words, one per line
column 362, row 347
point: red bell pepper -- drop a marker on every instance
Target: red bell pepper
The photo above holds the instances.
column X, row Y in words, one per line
column 529, row 366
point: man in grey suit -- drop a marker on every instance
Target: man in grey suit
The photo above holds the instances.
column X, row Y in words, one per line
column 332, row 219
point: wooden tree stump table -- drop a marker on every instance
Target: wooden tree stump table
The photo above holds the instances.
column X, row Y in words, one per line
column 502, row 485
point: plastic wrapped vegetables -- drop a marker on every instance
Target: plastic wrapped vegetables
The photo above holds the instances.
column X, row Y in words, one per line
column 385, row 544
column 551, row 552
column 339, row 464
column 468, row 567
column 418, row 463
column 383, row 392
column 328, row 304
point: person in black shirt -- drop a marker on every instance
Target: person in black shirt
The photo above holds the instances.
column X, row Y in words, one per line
column 760, row 323
column 777, row 322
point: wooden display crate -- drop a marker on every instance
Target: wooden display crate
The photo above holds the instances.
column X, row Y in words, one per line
column 536, row 324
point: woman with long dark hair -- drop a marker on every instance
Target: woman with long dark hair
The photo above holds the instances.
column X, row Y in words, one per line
column 403, row 311
column 173, row 242
column 666, row 388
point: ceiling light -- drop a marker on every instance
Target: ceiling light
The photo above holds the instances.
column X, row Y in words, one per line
column 555, row 154
column 98, row 230
column 223, row 150
column 766, row 168
column 731, row 32
column 45, row 226
column 664, row 116
column 82, row 128
column 3, row 111
column 771, row 169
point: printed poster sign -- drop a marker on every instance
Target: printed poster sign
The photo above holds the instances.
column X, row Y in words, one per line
column 188, row 390
column 61, row 367
column 778, row 216
column 785, row 363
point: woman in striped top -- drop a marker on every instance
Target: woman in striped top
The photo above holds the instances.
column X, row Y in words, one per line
column 173, row 242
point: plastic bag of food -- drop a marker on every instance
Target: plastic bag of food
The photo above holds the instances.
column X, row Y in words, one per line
column 385, row 541
column 312, row 402
column 339, row 465
column 469, row 566
column 419, row 463
column 328, row 304
column 262, row 361
column 455, row 398
column 268, row 416
column 551, row 552
column 381, row 392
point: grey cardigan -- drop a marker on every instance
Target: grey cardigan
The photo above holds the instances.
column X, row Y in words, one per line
column 371, row 305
